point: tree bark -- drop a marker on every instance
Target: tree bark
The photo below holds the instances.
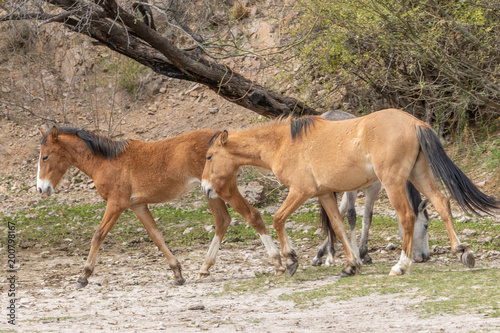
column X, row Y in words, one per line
column 121, row 31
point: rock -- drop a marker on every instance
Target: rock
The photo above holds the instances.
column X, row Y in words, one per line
column 213, row 110
column 209, row 228
column 486, row 240
column 198, row 306
column 187, row 231
column 469, row 232
column 271, row 210
column 253, row 193
column 391, row 247
column 234, row 222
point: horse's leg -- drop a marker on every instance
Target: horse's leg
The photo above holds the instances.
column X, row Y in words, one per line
column 353, row 263
column 423, row 179
column 253, row 217
column 351, row 217
column 396, row 191
column 111, row 215
column 328, row 246
column 292, row 202
column 144, row 215
column 317, row 260
column 222, row 220
column 370, row 197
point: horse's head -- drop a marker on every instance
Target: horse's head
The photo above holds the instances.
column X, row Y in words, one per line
column 52, row 164
column 219, row 169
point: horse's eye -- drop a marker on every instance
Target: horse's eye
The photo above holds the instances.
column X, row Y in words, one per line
column 209, row 158
column 46, row 157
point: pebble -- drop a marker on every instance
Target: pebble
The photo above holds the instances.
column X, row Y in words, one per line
column 198, row 306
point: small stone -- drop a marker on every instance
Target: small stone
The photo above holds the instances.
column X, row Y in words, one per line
column 469, row 232
column 318, row 231
column 391, row 247
column 487, row 240
column 213, row 110
column 199, row 306
column 187, row 231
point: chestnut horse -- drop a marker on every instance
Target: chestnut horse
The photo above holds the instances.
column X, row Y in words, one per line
column 314, row 156
column 133, row 173
column 421, row 251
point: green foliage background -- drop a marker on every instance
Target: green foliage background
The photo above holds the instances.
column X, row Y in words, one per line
column 436, row 59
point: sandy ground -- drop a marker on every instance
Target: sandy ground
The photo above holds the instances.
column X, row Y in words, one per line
column 132, row 291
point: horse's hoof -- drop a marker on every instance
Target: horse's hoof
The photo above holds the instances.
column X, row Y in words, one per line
column 392, row 273
column 316, row 262
column 468, row 259
column 367, row 260
column 279, row 271
column 292, row 268
column 348, row 271
column 179, row 282
column 81, row 283
column 202, row 275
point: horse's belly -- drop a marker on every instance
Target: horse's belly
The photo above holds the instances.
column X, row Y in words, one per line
column 163, row 191
column 350, row 178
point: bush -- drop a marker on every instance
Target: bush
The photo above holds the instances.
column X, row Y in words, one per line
column 435, row 59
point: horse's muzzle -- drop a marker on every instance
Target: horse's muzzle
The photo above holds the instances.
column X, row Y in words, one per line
column 44, row 187
column 208, row 190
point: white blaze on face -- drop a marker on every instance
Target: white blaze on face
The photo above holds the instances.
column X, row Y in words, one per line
column 208, row 189
column 43, row 186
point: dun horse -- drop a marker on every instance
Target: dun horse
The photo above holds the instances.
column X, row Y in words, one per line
column 314, row 156
column 420, row 239
column 133, row 173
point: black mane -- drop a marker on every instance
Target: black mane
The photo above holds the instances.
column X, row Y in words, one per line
column 96, row 144
column 300, row 126
column 212, row 139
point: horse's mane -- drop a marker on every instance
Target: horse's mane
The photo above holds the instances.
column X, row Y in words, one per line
column 98, row 145
column 300, row 126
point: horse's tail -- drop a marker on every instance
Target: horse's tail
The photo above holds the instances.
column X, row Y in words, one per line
column 327, row 225
column 461, row 188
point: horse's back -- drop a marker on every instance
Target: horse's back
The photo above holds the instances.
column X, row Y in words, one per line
column 358, row 147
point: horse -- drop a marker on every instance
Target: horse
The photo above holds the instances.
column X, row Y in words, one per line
column 130, row 174
column 421, row 251
column 313, row 156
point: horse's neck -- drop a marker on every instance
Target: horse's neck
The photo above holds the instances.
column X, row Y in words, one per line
column 82, row 158
column 253, row 147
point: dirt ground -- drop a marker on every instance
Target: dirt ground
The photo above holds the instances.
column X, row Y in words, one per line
column 132, row 292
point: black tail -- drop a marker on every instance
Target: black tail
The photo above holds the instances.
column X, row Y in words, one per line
column 461, row 188
column 327, row 225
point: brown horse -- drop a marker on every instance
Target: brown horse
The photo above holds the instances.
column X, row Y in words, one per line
column 315, row 156
column 133, row 173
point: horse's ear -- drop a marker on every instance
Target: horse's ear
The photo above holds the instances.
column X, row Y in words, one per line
column 422, row 205
column 223, row 137
column 54, row 133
